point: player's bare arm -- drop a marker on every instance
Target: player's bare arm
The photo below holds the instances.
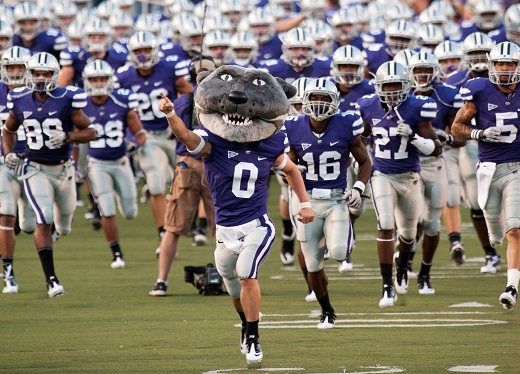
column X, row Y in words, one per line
column 9, row 133
column 136, row 127
column 461, row 124
column 182, row 86
column 191, row 140
column 86, row 133
column 457, row 142
column 359, row 151
column 66, row 76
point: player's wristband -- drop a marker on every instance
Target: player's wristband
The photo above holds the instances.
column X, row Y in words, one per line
column 359, row 186
column 306, row 204
column 170, row 114
column 199, row 147
column 476, row 134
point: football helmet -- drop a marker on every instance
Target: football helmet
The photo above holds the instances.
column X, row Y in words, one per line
column 244, row 48
column 488, row 14
column 216, row 44
column 317, row 109
column 46, row 18
column 217, row 22
column 323, row 35
column 138, row 42
column 388, row 73
column 94, row 69
column 445, row 7
column 26, row 12
column 75, row 32
column 449, row 54
column 404, row 56
column 6, row 35
column 421, row 61
column 14, row 56
column 298, row 47
column 476, row 46
column 313, row 8
column 429, row 36
column 363, row 17
column 433, row 16
column 179, row 6
column 97, row 36
column 6, row 12
column 122, row 25
column 105, row 9
column 233, row 9
column 397, row 11
column 261, row 24
column 504, row 52
column 400, row 34
column 148, row 22
column 190, row 34
column 512, row 23
column 352, row 56
column 64, row 13
column 296, row 100
column 42, row 61
column 345, row 24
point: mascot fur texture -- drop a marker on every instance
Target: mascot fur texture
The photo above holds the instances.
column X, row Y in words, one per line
column 242, row 104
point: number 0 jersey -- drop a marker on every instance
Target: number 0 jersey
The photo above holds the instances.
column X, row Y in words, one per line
column 238, row 175
column 38, row 118
column 495, row 109
column 324, row 155
column 393, row 154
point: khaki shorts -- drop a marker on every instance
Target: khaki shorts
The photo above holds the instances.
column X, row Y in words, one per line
column 190, row 185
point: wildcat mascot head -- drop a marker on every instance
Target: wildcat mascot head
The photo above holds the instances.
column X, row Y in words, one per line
column 242, row 104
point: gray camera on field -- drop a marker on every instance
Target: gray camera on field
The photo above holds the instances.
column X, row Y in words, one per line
column 209, row 282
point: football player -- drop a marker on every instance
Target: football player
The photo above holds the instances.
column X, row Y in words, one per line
column 400, row 130
column 52, row 118
column 494, row 103
column 109, row 172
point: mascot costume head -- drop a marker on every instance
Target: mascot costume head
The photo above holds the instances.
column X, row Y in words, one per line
column 242, row 104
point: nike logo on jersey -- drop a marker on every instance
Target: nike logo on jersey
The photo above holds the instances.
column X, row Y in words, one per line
column 136, row 87
column 492, row 106
column 26, row 114
column 267, row 55
column 305, row 146
column 157, row 83
column 2, row 107
column 53, row 113
column 261, row 158
column 112, row 115
column 231, row 154
column 375, row 121
column 333, row 143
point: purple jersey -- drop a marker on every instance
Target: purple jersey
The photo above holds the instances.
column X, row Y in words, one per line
column 270, row 50
column 375, row 56
column 148, row 91
column 109, row 120
column 39, row 117
column 238, row 175
column 77, row 57
column 52, row 41
column 495, row 109
column 469, row 27
column 347, row 100
column 373, row 37
column 324, row 155
column 458, row 78
column 356, row 42
column 19, row 148
column 179, row 57
column 279, row 68
column 394, row 154
column 448, row 103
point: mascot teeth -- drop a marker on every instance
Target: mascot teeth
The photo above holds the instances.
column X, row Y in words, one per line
column 236, row 120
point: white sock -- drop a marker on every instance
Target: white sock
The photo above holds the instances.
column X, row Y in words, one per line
column 513, row 277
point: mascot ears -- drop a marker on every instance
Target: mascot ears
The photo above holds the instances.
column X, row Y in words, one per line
column 289, row 89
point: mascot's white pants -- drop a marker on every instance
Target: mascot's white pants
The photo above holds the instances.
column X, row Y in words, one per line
column 241, row 250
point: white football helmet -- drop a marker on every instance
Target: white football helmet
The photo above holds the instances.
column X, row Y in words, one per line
column 429, row 36
column 139, row 41
column 216, row 44
column 244, row 48
column 6, row 35
column 512, row 23
column 42, row 61
column 217, row 22
column 190, row 32
column 400, row 34
column 27, row 12
column 323, row 35
column 398, row 11
column 449, row 54
column 476, row 46
column 423, row 60
column 148, row 22
column 94, row 69
column 105, row 9
column 64, row 12
column 388, row 73
column 445, row 7
column 313, row 8
column 317, row 109
column 433, row 16
column 504, row 52
column 404, row 56
column 488, row 14
column 261, row 24
column 352, row 56
column 14, row 56
column 296, row 100
column 298, row 47
column 345, row 24
column 97, row 36
column 122, row 25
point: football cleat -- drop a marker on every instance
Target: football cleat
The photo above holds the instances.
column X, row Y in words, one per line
column 10, row 285
column 425, row 286
column 401, row 276
column 54, row 288
column 508, row 297
column 287, row 258
column 243, row 340
column 492, row 264
column 159, row 289
column 254, row 353
column 311, row 297
column 327, row 320
column 457, row 253
column 118, row 263
column 199, row 239
column 388, row 297
column 345, row 266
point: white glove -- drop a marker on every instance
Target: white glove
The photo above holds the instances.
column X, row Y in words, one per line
column 491, row 135
column 352, row 198
column 444, row 137
column 301, row 168
column 11, row 160
column 405, row 130
column 131, row 148
column 57, row 138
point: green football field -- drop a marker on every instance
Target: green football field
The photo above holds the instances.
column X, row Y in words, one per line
column 107, row 323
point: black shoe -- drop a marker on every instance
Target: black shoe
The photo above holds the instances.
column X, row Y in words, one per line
column 327, row 320
column 159, row 289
